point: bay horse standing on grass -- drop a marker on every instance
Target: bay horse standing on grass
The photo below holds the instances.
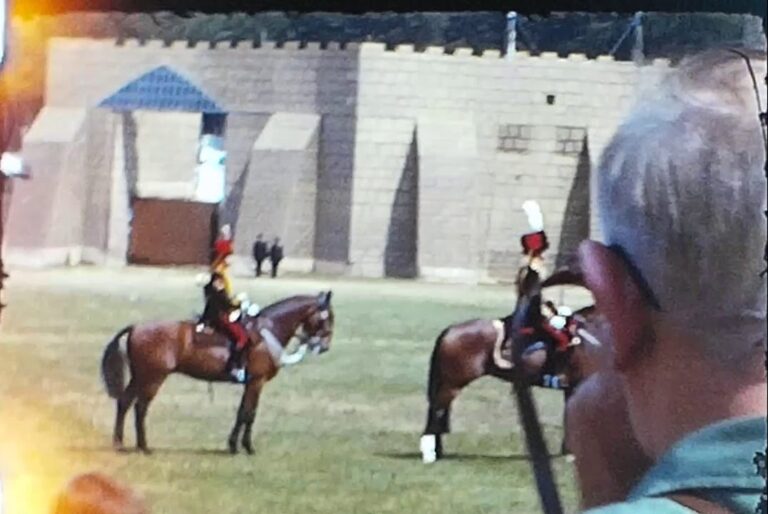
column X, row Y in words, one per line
column 467, row 351
column 152, row 351
column 464, row 352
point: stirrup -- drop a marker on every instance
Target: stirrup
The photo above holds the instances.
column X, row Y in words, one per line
column 238, row 374
column 554, row 382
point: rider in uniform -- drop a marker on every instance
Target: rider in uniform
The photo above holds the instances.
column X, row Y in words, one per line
column 222, row 249
column 219, row 312
column 558, row 330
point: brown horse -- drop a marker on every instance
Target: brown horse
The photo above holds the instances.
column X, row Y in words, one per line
column 152, row 351
column 464, row 352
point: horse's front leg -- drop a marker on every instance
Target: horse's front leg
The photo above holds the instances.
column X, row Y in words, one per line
column 246, row 414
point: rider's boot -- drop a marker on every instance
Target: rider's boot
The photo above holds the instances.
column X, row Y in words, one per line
column 235, row 366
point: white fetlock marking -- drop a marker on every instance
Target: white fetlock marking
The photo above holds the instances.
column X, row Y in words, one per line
column 428, row 447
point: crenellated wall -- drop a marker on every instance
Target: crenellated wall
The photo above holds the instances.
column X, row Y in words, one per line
column 423, row 159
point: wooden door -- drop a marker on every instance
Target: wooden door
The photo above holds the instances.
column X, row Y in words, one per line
column 171, row 232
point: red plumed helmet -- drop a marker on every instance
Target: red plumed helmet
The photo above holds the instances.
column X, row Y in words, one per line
column 535, row 243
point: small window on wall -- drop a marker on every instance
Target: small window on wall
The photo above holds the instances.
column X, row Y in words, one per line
column 570, row 140
column 514, row 138
column 214, row 124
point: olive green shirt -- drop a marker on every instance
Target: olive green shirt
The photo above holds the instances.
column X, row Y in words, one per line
column 715, row 463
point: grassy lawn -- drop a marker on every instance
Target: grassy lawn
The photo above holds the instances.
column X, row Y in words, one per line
column 336, row 434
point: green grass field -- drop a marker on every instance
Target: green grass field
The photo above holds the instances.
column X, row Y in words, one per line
column 338, row 433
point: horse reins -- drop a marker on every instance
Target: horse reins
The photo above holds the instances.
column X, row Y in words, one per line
column 529, row 418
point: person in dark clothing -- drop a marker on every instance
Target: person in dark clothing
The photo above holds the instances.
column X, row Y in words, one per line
column 275, row 256
column 260, row 253
column 218, row 308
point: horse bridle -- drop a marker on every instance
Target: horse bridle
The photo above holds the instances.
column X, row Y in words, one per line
column 313, row 341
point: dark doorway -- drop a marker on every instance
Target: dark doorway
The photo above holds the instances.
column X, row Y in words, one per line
column 214, row 124
column 171, row 232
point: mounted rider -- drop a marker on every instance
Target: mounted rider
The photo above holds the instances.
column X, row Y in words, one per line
column 222, row 249
column 557, row 325
column 224, row 314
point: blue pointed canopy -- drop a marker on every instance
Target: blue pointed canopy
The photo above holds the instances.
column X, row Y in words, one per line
column 161, row 89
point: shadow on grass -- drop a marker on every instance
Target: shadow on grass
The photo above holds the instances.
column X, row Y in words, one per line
column 462, row 457
column 154, row 451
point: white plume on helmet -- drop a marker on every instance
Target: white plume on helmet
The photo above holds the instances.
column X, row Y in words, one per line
column 535, row 217
column 202, row 278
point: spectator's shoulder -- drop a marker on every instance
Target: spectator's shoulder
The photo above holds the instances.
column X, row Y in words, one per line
column 642, row 506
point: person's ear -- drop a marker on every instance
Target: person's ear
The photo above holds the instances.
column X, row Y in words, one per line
column 619, row 298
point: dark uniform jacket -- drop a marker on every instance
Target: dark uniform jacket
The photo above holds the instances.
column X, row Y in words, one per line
column 260, row 250
column 276, row 253
column 217, row 303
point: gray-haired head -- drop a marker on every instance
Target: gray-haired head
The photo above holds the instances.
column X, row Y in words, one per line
column 682, row 190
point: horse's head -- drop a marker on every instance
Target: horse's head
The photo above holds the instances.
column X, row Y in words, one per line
column 317, row 327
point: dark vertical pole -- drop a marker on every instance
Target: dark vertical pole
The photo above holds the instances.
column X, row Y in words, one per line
column 537, row 451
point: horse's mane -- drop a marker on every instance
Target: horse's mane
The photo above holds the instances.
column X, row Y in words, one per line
column 286, row 304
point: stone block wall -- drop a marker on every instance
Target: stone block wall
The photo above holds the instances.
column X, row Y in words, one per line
column 100, row 127
column 166, row 144
column 242, row 130
column 383, row 223
column 280, row 189
column 122, row 183
column 49, row 213
column 334, row 193
column 539, row 122
column 451, row 188
column 423, row 159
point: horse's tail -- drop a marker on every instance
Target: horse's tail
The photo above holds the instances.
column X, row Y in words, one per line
column 433, row 385
column 113, row 364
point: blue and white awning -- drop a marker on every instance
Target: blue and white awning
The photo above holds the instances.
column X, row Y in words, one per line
column 161, row 89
